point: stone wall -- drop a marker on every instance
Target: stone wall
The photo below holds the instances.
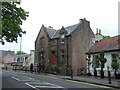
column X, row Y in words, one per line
column 81, row 43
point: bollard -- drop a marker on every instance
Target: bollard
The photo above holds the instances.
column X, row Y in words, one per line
column 71, row 73
column 119, row 83
column 109, row 77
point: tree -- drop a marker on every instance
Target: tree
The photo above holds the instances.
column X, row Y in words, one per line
column 102, row 61
column 106, row 36
column 20, row 53
column 54, row 68
column 115, row 65
column 96, row 64
column 12, row 18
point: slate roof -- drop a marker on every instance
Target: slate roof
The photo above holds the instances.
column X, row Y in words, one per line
column 70, row 29
column 108, row 44
column 50, row 31
column 55, row 33
column 4, row 52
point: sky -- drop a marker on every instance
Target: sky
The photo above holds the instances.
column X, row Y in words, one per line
column 102, row 14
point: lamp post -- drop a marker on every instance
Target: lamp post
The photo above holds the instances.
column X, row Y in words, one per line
column 71, row 73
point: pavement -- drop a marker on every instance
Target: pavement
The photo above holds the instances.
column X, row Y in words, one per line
column 115, row 83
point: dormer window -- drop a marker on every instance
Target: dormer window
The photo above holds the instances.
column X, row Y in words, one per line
column 62, row 38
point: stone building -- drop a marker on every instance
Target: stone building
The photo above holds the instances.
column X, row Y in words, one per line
column 65, row 47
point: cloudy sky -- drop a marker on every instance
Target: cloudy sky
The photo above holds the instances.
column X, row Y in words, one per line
column 102, row 14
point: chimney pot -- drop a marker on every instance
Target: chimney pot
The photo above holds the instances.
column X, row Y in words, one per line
column 97, row 31
column 84, row 18
column 50, row 27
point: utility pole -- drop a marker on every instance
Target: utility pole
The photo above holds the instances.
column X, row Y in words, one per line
column 20, row 51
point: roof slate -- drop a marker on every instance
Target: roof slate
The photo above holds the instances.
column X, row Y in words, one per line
column 50, row 31
column 108, row 44
column 55, row 33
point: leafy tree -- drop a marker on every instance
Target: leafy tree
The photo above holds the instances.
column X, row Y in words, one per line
column 102, row 61
column 20, row 53
column 12, row 18
column 115, row 65
column 106, row 36
column 96, row 64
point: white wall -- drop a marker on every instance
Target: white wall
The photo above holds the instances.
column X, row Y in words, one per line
column 29, row 60
column 108, row 63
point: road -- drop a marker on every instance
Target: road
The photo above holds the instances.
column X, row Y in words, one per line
column 26, row 81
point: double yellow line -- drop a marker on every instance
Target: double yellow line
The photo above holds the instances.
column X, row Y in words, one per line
column 73, row 81
column 77, row 82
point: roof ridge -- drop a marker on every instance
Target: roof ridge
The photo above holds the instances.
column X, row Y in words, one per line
column 71, row 25
column 50, row 28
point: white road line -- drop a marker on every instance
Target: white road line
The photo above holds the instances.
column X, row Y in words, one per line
column 16, row 78
column 35, row 83
column 46, row 87
column 55, row 85
column 28, row 77
column 31, row 86
column 44, row 84
column 25, row 80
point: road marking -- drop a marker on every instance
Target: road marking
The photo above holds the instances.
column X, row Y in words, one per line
column 55, row 85
column 44, row 85
column 53, row 77
column 28, row 77
column 69, row 80
column 77, row 82
column 88, row 84
column 49, row 77
column 15, row 78
column 31, row 86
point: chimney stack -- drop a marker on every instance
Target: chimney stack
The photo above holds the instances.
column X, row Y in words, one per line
column 97, row 31
column 84, row 18
column 50, row 27
column 100, row 31
column 80, row 21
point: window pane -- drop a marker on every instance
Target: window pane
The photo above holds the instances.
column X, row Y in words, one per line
column 114, row 56
column 62, row 38
column 62, row 56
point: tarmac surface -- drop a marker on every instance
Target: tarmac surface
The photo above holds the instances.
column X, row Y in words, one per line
column 87, row 80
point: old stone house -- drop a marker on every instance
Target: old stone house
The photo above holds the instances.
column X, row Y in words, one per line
column 65, row 47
